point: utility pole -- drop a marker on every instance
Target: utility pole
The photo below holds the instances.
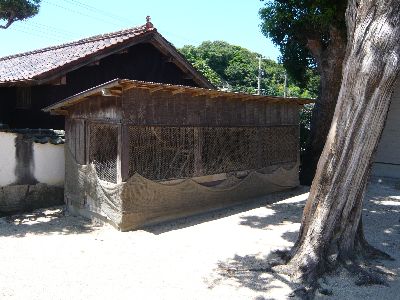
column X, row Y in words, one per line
column 259, row 76
column 285, row 88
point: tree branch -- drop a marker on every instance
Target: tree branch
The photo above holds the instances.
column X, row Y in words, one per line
column 8, row 24
column 315, row 47
column 11, row 19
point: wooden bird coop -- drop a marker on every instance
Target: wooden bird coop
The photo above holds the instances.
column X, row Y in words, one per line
column 139, row 152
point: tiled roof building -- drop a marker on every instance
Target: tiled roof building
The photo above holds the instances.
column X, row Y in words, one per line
column 41, row 63
column 33, row 80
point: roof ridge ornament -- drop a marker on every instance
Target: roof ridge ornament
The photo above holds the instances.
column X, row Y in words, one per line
column 149, row 25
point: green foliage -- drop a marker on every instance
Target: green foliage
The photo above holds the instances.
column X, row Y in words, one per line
column 191, row 54
column 235, row 67
column 17, row 10
column 291, row 23
column 222, row 63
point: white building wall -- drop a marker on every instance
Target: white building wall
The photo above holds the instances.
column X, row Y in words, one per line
column 48, row 164
column 7, row 158
column 387, row 160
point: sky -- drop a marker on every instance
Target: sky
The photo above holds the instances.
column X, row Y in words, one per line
column 182, row 22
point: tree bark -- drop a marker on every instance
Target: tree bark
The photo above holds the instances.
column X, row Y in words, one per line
column 329, row 62
column 331, row 230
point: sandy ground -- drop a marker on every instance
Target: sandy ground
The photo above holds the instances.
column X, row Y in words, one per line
column 49, row 254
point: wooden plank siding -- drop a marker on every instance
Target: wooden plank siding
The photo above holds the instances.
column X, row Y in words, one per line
column 76, row 138
column 140, row 107
column 98, row 108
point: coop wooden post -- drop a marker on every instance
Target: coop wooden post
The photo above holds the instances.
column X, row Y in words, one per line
column 198, row 151
column 119, row 154
column 88, row 145
column 125, row 153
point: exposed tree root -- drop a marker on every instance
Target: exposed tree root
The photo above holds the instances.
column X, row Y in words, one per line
column 366, row 250
column 326, row 292
column 284, row 255
column 366, row 275
column 370, row 252
column 307, row 276
column 304, row 293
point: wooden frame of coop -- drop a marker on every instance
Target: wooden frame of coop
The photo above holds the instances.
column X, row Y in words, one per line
column 139, row 152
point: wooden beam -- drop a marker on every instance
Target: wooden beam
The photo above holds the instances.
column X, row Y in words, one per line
column 125, row 161
column 119, row 154
column 153, row 90
column 200, row 93
column 188, row 77
column 216, row 95
column 179, row 91
column 95, row 63
column 59, row 81
column 59, row 112
column 117, row 92
column 247, row 98
column 110, row 92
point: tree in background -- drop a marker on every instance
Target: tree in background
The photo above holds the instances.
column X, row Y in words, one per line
column 17, row 10
column 235, row 68
column 310, row 34
column 331, row 232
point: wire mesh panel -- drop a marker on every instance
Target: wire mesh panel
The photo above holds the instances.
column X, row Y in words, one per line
column 103, row 150
column 229, row 149
column 160, row 153
column 279, row 145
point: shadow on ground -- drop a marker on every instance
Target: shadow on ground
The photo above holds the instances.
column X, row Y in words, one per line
column 381, row 215
column 44, row 222
column 250, row 271
column 225, row 212
column 254, row 271
column 283, row 213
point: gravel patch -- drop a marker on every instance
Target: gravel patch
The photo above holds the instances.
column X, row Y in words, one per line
column 49, row 254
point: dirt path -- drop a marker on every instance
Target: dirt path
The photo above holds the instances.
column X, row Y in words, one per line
column 219, row 255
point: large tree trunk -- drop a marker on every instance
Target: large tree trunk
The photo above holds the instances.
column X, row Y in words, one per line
column 329, row 61
column 331, row 230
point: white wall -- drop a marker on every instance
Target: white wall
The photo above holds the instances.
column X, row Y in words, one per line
column 48, row 162
column 387, row 160
column 7, row 158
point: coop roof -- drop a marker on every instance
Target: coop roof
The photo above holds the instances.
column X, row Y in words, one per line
column 50, row 63
column 117, row 86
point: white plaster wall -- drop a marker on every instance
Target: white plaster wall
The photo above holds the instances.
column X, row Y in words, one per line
column 7, row 158
column 49, row 163
column 387, row 160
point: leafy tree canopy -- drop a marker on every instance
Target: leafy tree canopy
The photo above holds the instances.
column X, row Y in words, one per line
column 17, row 10
column 292, row 24
column 236, row 68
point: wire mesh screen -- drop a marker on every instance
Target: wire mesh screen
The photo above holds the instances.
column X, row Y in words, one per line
column 160, row 153
column 103, row 150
